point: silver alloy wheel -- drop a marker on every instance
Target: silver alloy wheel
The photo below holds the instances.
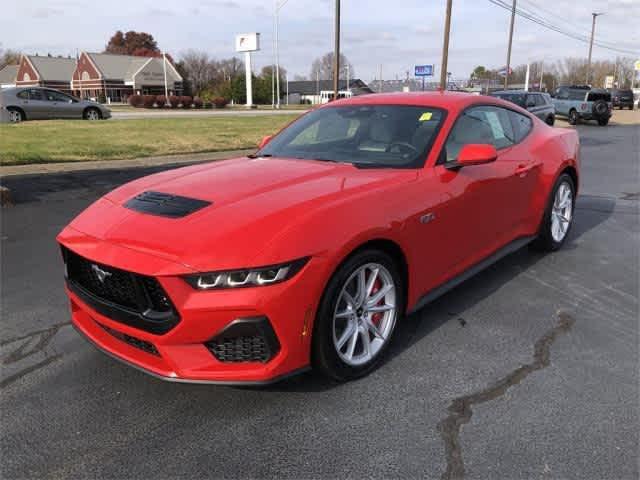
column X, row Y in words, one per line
column 365, row 314
column 562, row 212
column 15, row 116
column 93, row 115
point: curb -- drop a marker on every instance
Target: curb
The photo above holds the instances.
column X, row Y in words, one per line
column 65, row 167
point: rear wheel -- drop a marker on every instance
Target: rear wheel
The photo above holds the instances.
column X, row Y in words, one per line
column 357, row 316
column 550, row 120
column 558, row 216
column 603, row 122
column 573, row 117
column 92, row 114
column 15, row 115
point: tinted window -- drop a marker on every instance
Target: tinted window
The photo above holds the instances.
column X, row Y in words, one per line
column 521, row 125
column 23, row 94
column 577, row 95
column 517, row 98
column 480, row 125
column 562, row 93
column 371, row 135
column 595, row 96
column 53, row 96
column 539, row 100
column 35, row 94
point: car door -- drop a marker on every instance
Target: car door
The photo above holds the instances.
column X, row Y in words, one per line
column 32, row 103
column 477, row 211
column 561, row 101
column 59, row 105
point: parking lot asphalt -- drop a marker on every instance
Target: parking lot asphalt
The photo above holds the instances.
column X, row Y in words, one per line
column 528, row 370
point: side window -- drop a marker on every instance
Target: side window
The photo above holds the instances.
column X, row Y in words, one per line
column 35, row 94
column 539, row 100
column 521, row 125
column 53, row 96
column 577, row 95
column 490, row 125
column 24, row 95
column 562, row 94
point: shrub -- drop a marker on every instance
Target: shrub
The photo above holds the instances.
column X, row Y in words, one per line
column 101, row 98
column 186, row 101
column 161, row 101
column 135, row 100
column 148, row 101
column 220, row 102
column 197, row 102
column 174, row 101
column 208, row 105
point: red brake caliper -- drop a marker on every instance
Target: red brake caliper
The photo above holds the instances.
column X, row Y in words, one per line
column 376, row 317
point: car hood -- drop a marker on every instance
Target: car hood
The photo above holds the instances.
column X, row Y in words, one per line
column 252, row 202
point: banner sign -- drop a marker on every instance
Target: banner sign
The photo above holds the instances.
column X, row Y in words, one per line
column 424, row 71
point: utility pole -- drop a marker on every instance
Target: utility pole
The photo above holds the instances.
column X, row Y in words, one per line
column 164, row 72
column 336, row 53
column 593, row 31
column 541, row 74
column 513, row 20
column 445, row 48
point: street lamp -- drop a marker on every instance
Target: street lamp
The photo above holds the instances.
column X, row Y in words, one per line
column 275, row 86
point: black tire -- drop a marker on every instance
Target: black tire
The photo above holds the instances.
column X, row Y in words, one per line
column 324, row 356
column 573, row 117
column 630, row 107
column 603, row 122
column 88, row 113
column 545, row 241
column 550, row 120
column 16, row 115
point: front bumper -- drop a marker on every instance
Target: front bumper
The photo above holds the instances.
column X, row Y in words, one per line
column 187, row 352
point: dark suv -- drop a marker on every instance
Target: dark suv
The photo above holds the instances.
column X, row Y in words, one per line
column 622, row 98
column 538, row 103
column 583, row 103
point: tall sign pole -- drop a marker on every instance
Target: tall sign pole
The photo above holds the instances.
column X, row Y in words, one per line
column 513, row 20
column 336, row 53
column 247, row 43
column 445, row 48
column 593, row 31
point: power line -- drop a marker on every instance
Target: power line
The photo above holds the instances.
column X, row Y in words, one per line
column 550, row 26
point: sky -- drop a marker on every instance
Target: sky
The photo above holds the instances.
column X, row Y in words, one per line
column 395, row 34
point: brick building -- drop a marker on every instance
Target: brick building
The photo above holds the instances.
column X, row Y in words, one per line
column 51, row 72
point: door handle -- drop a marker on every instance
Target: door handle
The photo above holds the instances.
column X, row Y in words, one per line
column 523, row 169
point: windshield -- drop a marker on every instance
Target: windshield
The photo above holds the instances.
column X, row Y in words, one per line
column 517, row 98
column 366, row 135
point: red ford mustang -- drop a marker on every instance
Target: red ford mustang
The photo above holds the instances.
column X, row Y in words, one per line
column 311, row 251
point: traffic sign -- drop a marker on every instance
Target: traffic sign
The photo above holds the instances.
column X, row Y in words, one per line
column 424, row 71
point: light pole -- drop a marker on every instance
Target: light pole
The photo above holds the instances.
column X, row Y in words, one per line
column 336, row 53
column 593, row 31
column 513, row 19
column 277, row 6
column 445, row 48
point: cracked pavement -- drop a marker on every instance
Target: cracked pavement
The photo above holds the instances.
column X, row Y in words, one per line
column 528, row 370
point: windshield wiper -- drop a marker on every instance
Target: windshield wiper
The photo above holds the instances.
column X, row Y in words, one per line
column 264, row 155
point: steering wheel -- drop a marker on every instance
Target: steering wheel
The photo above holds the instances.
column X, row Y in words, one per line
column 407, row 146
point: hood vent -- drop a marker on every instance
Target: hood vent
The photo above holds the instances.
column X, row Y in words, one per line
column 165, row 204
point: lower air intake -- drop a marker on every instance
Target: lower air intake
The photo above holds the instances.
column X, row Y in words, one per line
column 245, row 340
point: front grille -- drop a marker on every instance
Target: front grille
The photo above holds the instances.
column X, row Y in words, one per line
column 240, row 349
column 245, row 340
column 135, row 299
column 133, row 341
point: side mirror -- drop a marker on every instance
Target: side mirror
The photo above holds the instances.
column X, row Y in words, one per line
column 476, row 154
column 264, row 141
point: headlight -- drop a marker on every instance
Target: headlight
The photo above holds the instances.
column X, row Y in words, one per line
column 248, row 277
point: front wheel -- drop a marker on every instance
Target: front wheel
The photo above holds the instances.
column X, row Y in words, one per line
column 603, row 122
column 357, row 315
column 550, row 120
column 573, row 117
column 558, row 216
column 92, row 114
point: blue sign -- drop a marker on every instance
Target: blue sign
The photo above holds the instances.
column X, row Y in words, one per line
column 424, row 71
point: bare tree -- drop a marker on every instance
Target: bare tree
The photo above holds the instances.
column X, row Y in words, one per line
column 9, row 57
column 324, row 67
column 200, row 68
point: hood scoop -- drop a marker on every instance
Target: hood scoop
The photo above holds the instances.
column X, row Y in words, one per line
column 165, row 204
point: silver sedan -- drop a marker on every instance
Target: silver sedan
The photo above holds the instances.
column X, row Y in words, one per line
column 37, row 103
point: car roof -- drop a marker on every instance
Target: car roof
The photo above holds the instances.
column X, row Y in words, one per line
column 514, row 92
column 446, row 100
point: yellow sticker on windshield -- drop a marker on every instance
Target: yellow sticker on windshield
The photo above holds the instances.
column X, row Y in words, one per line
column 426, row 116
